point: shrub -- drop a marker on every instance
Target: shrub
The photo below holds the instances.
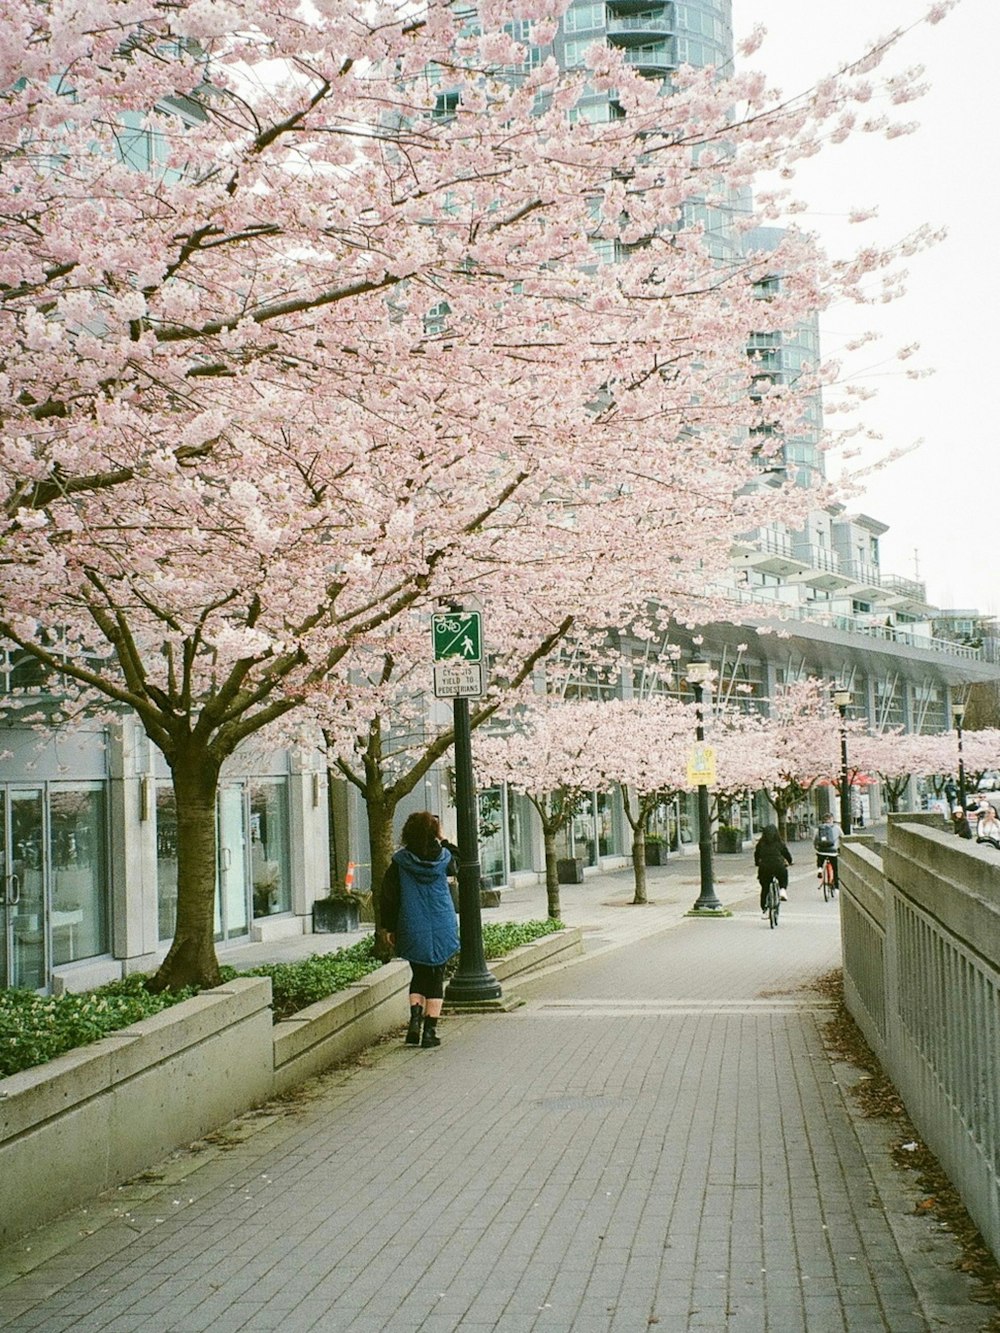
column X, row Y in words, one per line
column 35, row 1028
column 294, row 986
column 503, row 937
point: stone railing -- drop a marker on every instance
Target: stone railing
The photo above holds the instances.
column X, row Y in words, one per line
column 920, row 919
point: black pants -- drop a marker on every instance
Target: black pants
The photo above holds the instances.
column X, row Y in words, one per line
column 834, row 861
column 427, row 981
column 764, row 876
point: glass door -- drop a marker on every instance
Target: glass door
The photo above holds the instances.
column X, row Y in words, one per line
column 22, row 899
column 232, row 908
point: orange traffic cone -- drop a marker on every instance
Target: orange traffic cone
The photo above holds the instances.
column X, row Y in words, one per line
column 349, row 877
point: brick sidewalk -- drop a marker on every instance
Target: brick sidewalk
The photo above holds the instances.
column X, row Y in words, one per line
column 656, row 1138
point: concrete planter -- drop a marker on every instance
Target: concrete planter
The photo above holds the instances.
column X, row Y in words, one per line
column 559, row 947
column 336, row 916
column 342, row 1024
column 95, row 1117
column 569, row 870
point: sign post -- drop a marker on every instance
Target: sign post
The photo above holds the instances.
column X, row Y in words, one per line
column 458, row 675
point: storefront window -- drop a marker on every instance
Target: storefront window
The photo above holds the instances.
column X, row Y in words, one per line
column 584, row 841
column 518, row 824
column 608, row 843
column 166, row 860
column 269, row 860
column 78, row 832
column 491, row 837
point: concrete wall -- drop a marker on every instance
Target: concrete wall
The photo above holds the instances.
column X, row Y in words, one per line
column 97, row 1115
column 920, row 920
column 94, row 1117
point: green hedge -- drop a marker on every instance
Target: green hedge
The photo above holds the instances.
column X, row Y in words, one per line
column 35, row 1028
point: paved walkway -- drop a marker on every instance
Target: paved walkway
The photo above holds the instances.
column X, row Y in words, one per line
column 656, row 1138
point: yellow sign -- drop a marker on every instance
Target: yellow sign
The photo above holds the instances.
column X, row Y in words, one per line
column 701, row 766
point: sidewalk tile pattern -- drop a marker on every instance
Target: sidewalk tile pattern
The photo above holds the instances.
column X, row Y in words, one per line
column 655, row 1140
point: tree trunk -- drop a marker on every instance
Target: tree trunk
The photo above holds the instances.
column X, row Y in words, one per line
column 639, row 865
column 191, row 960
column 551, row 874
column 782, row 813
column 381, row 845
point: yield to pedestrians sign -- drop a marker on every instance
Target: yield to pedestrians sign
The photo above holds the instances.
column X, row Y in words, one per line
column 458, row 654
column 458, row 634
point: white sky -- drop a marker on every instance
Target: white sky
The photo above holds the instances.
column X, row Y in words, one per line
column 942, row 500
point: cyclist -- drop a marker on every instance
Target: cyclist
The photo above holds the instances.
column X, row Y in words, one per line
column 827, row 845
column 772, row 859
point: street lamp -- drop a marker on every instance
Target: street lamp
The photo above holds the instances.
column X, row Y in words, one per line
column 842, row 698
column 698, row 672
column 957, row 716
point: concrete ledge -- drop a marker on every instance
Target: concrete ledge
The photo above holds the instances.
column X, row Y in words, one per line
column 95, row 1116
column 284, row 927
column 560, row 946
column 950, row 878
column 339, row 1026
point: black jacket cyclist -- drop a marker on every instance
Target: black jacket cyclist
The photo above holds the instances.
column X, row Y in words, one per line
column 772, row 859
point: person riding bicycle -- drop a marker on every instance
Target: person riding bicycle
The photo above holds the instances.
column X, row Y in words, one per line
column 827, row 846
column 772, row 859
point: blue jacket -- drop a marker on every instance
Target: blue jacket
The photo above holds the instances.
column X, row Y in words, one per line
column 417, row 907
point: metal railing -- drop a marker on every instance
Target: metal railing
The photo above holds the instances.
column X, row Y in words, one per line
column 921, row 935
column 819, row 557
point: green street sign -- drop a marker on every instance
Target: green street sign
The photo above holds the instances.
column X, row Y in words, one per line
column 457, row 634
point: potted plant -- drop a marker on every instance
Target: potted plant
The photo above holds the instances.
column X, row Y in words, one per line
column 569, row 869
column 729, row 838
column 656, row 849
column 337, row 913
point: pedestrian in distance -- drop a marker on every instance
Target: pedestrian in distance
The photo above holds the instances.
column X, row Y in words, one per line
column 960, row 822
column 988, row 827
column 826, row 844
column 418, row 920
column 772, row 859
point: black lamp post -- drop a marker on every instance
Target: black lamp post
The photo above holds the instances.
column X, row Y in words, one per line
column 842, row 698
column 958, row 715
column 473, row 981
column 698, row 673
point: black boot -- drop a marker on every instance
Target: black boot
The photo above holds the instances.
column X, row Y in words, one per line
column 413, row 1031
column 430, row 1037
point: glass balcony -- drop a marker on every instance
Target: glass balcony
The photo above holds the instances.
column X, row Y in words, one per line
column 635, row 26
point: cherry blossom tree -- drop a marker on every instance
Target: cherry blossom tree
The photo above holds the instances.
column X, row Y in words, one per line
column 553, row 755
column 383, row 738
column 895, row 757
column 801, row 745
column 640, row 746
column 741, row 758
column 306, row 332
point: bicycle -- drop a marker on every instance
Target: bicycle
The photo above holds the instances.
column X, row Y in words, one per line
column 828, row 879
column 772, row 901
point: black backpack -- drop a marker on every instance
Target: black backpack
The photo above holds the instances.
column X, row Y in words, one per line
column 824, row 841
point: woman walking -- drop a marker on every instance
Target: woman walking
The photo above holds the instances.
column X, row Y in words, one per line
column 418, row 919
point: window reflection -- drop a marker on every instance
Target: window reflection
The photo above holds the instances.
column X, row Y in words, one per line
column 77, row 824
column 269, row 860
column 166, row 860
